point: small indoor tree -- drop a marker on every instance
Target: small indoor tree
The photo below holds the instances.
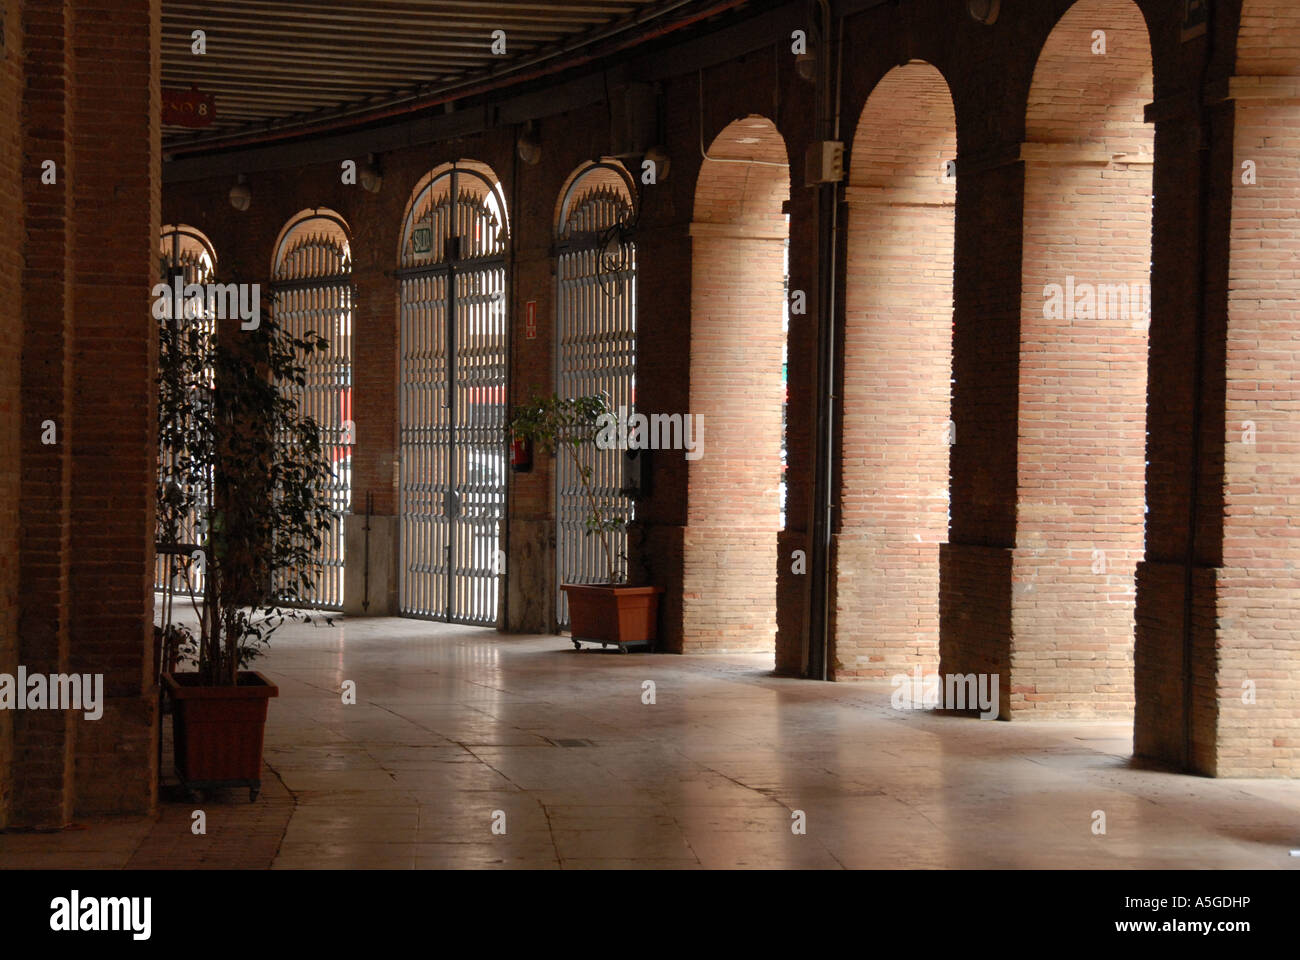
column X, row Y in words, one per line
column 245, row 473
column 607, row 613
column 573, row 426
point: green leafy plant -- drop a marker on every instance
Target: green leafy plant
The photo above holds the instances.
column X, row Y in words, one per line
column 572, row 425
column 244, row 477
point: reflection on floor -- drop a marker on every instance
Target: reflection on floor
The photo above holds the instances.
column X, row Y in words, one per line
column 457, row 730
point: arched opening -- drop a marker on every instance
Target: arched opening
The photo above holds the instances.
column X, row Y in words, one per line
column 739, row 318
column 1085, row 310
column 897, row 378
column 595, row 354
column 1252, row 677
column 185, row 254
column 311, row 282
column 452, row 404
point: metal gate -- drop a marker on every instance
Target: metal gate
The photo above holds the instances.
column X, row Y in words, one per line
column 187, row 253
column 312, row 286
column 453, row 397
column 595, row 354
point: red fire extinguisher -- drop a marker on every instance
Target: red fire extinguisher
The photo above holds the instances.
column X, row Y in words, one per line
column 521, row 455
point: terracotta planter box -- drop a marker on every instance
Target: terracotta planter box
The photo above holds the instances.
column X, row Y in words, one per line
column 217, row 731
column 606, row 614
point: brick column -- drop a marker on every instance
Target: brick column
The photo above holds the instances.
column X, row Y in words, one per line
column 374, row 411
column 12, row 430
column 975, row 563
column 117, row 124
column 45, row 738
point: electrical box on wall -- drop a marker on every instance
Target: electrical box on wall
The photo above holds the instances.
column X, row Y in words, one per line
column 823, row 163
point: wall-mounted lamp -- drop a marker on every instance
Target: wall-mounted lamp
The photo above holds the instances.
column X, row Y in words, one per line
column 530, row 145
column 240, row 196
column 658, row 155
column 985, row 11
column 805, row 65
column 369, row 175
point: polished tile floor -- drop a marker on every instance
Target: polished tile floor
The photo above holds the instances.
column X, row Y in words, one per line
column 468, row 748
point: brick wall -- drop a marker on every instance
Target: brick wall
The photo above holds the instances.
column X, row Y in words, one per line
column 1257, row 686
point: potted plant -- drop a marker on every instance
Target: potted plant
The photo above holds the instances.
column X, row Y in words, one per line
column 610, row 611
column 244, row 478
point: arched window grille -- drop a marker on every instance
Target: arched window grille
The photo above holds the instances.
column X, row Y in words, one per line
column 312, row 288
column 595, row 310
column 452, row 277
column 184, row 253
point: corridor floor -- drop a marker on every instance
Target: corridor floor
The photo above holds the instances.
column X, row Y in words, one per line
column 467, row 748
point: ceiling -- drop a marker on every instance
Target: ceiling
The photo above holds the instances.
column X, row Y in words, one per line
column 276, row 67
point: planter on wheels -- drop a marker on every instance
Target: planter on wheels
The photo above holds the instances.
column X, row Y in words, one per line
column 616, row 615
column 217, row 731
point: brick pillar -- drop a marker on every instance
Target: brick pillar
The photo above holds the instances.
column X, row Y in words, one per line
column 45, row 739
column 975, row 563
column 655, row 540
column 374, row 411
column 117, row 117
column 1174, row 462
column 12, row 429
column 530, row 604
column 793, row 589
column 897, row 380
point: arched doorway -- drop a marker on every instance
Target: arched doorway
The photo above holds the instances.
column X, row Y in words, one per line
column 897, row 378
column 1085, row 312
column 452, row 403
column 311, row 281
column 739, row 312
column 595, row 353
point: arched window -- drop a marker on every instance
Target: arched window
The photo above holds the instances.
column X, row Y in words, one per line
column 312, row 289
column 186, row 253
column 595, row 341
column 452, row 407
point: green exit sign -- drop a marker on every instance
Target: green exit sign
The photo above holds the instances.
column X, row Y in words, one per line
column 422, row 240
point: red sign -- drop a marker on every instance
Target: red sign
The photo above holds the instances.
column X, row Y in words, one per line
column 530, row 320
column 187, row 108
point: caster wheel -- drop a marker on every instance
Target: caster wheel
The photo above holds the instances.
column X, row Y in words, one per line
column 252, row 793
column 577, row 645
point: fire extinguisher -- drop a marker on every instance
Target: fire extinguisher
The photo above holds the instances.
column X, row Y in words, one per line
column 521, row 455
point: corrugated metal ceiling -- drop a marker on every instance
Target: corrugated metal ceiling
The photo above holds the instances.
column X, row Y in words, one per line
column 283, row 63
